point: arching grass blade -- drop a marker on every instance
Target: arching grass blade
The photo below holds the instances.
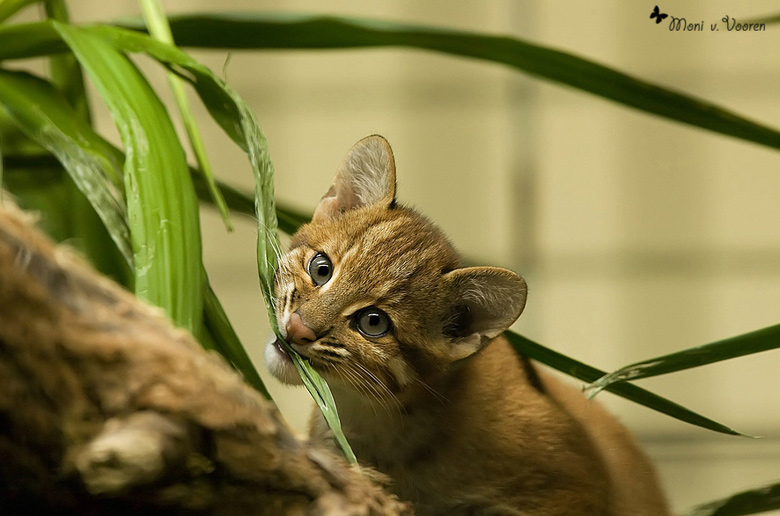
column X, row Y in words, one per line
column 628, row 391
column 754, row 342
column 258, row 30
column 754, row 501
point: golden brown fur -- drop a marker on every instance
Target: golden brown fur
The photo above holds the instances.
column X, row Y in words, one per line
column 439, row 402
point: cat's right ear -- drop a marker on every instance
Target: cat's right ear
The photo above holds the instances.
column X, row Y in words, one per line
column 366, row 177
column 482, row 302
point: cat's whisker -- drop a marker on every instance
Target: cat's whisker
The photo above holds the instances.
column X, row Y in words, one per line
column 370, row 386
column 378, row 382
column 356, row 381
column 360, row 388
column 436, row 394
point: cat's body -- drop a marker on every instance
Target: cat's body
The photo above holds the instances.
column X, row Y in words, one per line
column 428, row 392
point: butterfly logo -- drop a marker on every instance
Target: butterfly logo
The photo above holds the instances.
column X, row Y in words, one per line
column 658, row 15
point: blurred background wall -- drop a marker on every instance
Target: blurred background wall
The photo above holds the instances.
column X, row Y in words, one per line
column 637, row 236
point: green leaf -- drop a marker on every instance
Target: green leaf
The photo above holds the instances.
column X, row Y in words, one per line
column 162, row 208
column 10, row 7
column 299, row 31
column 23, row 40
column 628, row 391
column 232, row 113
column 94, row 164
column 65, row 71
column 160, row 30
column 86, row 228
column 741, row 345
column 324, row 398
column 754, row 501
column 290, row 219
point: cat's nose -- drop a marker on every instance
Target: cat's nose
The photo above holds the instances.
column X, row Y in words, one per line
column 298, row 332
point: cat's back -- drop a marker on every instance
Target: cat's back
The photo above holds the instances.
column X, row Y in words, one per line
column 634, row 484
column 555, row 451
column 517, row 443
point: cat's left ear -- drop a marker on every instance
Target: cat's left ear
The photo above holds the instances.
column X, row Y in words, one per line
column 366, row 177
column 482, row 303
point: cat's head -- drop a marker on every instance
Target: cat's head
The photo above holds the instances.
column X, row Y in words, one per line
column 372, row 293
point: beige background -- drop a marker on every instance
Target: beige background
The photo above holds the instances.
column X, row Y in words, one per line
column 637, row 236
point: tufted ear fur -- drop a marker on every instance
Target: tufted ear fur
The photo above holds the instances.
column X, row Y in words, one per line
column 366, row 177
column 482, row 303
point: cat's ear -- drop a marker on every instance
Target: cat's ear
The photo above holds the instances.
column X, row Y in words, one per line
column 366, row 177
column 482, row 303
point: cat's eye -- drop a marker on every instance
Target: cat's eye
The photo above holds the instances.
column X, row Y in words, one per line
column 320, row 269
column 372, row 322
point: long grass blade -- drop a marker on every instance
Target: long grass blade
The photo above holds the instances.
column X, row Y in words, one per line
column 770, row 19
column 753, row 501
column 232, row 113
column 160, row 30
column 85, row 225
column 628, row 391
column 289, row 219
column 94, row 164
column 65, row 71
column 10, row 7
column 23, row 40
column 162, row 208
column 299, row 31
column 268, row 250
column 754, row 342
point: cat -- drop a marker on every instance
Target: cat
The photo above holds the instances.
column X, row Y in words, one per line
column 429, row 392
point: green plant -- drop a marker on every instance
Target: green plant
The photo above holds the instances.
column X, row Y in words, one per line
column 127, row 200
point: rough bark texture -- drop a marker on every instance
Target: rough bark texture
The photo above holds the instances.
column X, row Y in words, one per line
column 105, row 408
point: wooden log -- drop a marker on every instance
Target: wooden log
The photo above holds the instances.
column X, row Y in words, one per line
column 106, row 408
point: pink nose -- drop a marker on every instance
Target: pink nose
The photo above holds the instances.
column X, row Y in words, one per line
column 298, row 332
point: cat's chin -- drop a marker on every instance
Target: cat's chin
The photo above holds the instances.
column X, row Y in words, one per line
column 280, row 364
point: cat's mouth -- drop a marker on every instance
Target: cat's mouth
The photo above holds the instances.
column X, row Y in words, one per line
column 280, row 363
column 279, row 347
